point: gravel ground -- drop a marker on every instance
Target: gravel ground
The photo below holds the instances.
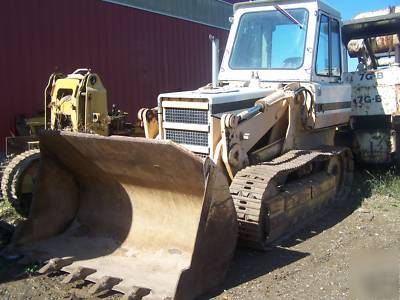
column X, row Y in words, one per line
column 317, row 262
column 349, row 253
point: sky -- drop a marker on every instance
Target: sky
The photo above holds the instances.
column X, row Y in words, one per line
column 350, row 8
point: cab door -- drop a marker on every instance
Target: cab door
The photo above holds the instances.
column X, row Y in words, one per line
column 332, row 96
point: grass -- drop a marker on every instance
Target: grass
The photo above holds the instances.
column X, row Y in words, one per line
column 32, row 268
column 387, row 183
column 8, row 213
column 9, row 267
column 374, row 181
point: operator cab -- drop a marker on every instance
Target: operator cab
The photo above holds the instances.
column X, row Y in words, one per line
column 284, row 41
column 278, row 42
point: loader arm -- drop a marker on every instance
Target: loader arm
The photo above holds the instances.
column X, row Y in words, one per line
column 242, row 134
column 242, row 131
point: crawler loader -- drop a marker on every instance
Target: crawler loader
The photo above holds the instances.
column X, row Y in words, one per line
column 75, row 103
column 244, row 160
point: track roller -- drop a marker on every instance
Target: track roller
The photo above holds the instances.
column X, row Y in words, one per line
column 273, row 197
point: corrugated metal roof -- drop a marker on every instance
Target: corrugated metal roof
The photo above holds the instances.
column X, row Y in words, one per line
column 209, row 12
column 232, row 1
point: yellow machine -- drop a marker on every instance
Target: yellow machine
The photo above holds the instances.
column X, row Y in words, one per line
column 246, row 159
column 76, row 103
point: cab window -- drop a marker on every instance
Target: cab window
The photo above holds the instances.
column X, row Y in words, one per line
column 336, row 52
column 259, row 41
column 323, row 47
column 328, row 61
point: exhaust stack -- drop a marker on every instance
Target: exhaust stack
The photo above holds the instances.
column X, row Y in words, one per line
column 215, row 60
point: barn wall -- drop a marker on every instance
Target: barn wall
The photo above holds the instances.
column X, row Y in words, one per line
column 137, row 54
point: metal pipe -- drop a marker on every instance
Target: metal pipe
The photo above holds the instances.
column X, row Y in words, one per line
column 261, row 104
column 215, row 60
column 370, row 53
column 397, row 54
column 250, row 112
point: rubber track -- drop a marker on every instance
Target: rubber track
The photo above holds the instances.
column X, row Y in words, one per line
column 262, row 181
column 11, row 178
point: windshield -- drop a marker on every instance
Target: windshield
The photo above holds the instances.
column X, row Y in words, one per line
column 270, row 40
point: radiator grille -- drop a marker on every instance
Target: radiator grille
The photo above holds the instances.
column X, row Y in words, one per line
column 188, row 137
column 186, row 115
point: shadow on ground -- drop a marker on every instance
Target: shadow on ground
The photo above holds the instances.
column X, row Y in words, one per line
column 11, row 271
column 249, row 264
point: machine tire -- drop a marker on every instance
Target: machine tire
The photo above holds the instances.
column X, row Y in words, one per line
column 20, row 168
column 3, row 165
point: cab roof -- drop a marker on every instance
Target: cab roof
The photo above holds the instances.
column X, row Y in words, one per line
column 371, row 27
column 260, row 3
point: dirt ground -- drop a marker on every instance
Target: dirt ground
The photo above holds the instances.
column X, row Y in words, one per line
column 347, row 253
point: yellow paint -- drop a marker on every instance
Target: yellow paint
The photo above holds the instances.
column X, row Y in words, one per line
column 79, row 103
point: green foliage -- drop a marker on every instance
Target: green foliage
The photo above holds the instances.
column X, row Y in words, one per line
column 32, row 268
column 378, row 181
column 8, row 213
column 386, row 183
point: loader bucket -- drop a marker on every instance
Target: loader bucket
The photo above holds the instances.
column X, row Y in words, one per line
column 138, row 216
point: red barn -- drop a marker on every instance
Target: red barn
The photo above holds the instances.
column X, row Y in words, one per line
column 138, row 47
